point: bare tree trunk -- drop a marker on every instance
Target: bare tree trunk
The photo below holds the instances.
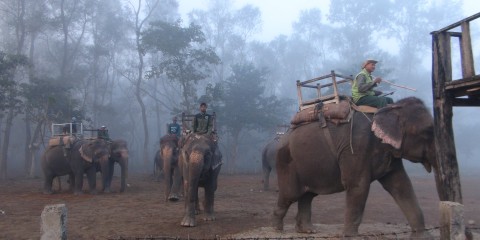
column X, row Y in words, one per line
column 20, row 34
column 28, row 138
column 234, row 152
column 6, row 142
column 138, row 85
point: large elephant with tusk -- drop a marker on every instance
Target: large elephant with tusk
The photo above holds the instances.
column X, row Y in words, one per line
column 312, row 161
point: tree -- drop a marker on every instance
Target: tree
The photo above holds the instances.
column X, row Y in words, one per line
column 227, row 30
column 186, row 60
column 246, row 107
column 10, row 100
column 46, row 101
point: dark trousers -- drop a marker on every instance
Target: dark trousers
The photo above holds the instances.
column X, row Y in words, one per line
column 374, row 101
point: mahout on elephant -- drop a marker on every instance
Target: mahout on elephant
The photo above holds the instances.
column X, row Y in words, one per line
column 314, row 160
column 168, row 154
column 200, row 161
column 79, row 158
column 118, row 153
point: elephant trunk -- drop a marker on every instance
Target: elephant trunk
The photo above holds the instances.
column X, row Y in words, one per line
column 124, row 171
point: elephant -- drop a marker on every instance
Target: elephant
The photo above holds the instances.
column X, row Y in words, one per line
column 171, row 170
column 157, row 166
column 312, row 160
column 200, row 162
column 79, row 159
column 269, row 154
column 118, row 150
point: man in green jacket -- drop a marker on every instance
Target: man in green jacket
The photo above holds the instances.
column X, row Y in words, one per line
column 203, row 122
column 363, row 84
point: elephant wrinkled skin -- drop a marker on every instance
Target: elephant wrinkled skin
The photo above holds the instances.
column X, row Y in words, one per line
column 57, row 161
column 308, row 164
column 200, row 161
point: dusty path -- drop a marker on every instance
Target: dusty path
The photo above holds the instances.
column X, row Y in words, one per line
column 240, row 207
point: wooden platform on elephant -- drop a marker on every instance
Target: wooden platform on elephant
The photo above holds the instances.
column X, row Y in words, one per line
column 327, row 89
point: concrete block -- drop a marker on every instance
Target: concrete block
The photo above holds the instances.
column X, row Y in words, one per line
column 452, row 225
column 54, row 222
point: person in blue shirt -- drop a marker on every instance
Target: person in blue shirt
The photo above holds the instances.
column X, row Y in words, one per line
column 174, row 127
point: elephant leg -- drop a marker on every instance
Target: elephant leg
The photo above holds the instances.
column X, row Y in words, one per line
column 78, row 183
column 304, row 213
column 192, row 178
column 357, row 194
column 107, row 176
column 210, row 189
column 280, row 211
column 176, row 180
column 92, row 179
column 399, row 186
column 123, row 177
column 168, row 173
column 47, row 184
column 71, row 182
column 266, row 177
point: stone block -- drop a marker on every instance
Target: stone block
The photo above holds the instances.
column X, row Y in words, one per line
column 54, row 222
column 452, row 224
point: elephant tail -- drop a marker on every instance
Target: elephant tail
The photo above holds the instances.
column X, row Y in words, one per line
column 265, row 164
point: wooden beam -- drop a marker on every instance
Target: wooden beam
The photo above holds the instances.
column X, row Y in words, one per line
column 468, row 69
column 466, row 102
column 473, row 17
column 446, row 174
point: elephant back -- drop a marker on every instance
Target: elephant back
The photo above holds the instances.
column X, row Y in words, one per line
column 334, row 112
column 61, row 141
column 90, row 148
column 169, row 139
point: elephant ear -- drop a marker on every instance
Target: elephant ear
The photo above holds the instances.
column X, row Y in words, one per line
column 86, row 152
column 388, row 127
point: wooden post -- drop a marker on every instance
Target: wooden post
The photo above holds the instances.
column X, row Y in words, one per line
column 447, row 177
column 319, row 90
column 299, row 93
column 335, row 89
column 468, row 69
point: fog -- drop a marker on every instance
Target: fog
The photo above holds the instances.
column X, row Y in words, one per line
column 133, row 65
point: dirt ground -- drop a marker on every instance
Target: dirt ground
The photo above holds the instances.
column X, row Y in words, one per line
column 240, row 204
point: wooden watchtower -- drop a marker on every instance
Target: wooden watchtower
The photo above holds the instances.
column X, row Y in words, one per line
column 449, row 93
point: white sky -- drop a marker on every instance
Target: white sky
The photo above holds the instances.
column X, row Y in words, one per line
column 278, row 15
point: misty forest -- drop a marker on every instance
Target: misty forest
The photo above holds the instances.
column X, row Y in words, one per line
column 132, row 65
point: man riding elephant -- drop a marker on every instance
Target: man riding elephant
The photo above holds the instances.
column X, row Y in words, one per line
column 203, row 123
column 363, row 84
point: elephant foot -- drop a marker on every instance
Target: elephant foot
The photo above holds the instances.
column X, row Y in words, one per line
column 93, row 192
column 188, row 221
column 49, row 192
column 421, row 235
column 209, row 217
column 173, row 198
column 304, row 228
column 278, row 224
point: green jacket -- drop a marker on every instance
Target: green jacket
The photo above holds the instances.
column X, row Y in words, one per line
column 363, row 85
column 203, row 123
